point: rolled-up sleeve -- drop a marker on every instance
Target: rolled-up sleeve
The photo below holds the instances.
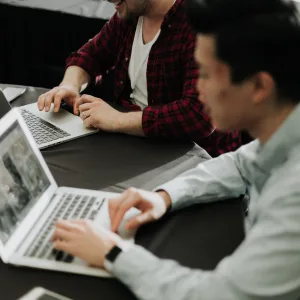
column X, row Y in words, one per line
column 99, row 53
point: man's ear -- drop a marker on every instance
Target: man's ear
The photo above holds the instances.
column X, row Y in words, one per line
column 264, row 87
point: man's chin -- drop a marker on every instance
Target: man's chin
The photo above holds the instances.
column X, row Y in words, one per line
column 223, row 126
column 124, row 15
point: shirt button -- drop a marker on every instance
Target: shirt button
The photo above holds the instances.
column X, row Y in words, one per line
column 121, row 82
column 170, row 26
column 126, row 59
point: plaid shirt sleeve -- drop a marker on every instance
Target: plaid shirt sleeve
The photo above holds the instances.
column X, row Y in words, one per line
column 183, row 117
column 99, row 53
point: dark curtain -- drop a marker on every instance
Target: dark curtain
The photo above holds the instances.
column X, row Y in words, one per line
column 35, row 43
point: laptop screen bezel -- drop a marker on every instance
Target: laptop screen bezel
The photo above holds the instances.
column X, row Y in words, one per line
column 21, row 231
column 4, row 105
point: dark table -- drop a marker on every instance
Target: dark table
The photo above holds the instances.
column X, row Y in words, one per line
column 198, row 237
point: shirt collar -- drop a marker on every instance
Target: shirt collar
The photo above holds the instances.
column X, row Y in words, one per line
column 173, row 13
column 278, row 148
column 177, row 12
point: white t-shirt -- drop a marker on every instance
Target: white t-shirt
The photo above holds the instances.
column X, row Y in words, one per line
column 138, row 66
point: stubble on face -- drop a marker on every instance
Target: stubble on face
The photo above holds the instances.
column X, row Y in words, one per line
column 134, row 9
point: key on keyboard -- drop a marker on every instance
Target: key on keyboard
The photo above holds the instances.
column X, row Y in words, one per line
column 69, row 207
column 42, row 130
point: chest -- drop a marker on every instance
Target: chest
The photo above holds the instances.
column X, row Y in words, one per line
column 258, row 187
column 149, row 31
column 163, row 67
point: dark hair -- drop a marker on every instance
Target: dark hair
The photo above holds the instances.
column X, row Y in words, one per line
column 254, row 36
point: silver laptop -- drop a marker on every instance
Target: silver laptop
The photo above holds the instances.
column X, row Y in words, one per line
column 49, row 128
column 31, row 203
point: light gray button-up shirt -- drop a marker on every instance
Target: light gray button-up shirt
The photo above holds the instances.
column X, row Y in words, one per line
column 267, row 264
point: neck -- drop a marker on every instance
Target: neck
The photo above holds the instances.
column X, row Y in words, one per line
column 158, row 9
column 264, row 129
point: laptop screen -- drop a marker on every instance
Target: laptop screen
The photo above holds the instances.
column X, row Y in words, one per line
column 22, row 180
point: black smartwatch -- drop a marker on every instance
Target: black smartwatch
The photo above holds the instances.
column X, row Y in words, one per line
column 111, row 256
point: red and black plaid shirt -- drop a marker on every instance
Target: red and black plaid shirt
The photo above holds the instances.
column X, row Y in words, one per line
column 174, row 110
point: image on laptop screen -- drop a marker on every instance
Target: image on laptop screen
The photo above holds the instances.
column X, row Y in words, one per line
column 22, row 180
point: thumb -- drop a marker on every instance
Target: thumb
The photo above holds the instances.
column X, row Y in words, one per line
column 139, row 220
column 76, row 103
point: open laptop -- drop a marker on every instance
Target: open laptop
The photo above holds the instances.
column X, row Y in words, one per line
column 49, row 128
column 31, row 203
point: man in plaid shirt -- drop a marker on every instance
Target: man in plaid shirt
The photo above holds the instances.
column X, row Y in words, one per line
column 150, row 46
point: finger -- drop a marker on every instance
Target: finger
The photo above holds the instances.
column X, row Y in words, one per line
column 42, row 98
column 113, row 205
column 61, row 234
column 89, row 99
column 57, row 100
column 81, row 222
column 78, row 101
column 85, row 114
column 41, row 102
column 48, row 100
column 128, row 203
column 68, row 226
column 139, row 220
column 62, row 246
column 84, row 106
column 88, row 123
column 63, row 224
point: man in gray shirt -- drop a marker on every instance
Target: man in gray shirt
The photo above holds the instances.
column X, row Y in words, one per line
column 248, row 54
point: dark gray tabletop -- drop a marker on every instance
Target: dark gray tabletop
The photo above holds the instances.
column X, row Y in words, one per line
column 198, row 237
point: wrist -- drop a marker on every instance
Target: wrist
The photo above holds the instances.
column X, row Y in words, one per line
column 129, row 123
column 113, row 253
column 166, row 197
column 120, row 123
column 109, row 245
column 70, row 86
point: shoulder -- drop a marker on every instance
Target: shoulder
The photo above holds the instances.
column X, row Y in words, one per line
column 284, row 181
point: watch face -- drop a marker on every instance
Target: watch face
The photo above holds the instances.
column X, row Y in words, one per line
column 113, row 254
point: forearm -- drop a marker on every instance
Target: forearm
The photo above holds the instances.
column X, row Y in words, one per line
column 76, row 77
column 264, row 267
column 151, row 278
column 212, row 180
column 130, row 123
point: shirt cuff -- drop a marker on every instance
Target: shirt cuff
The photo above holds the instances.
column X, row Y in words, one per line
column 130, row 264
column 176, row 191
column 124, row 246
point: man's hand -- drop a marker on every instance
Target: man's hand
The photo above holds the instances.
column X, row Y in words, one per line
column 98, row 114
column 67, row 93
column 85, row 240
column 152, row 206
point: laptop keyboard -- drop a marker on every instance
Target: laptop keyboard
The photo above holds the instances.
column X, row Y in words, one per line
column 42, row 131
column 70, row 206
